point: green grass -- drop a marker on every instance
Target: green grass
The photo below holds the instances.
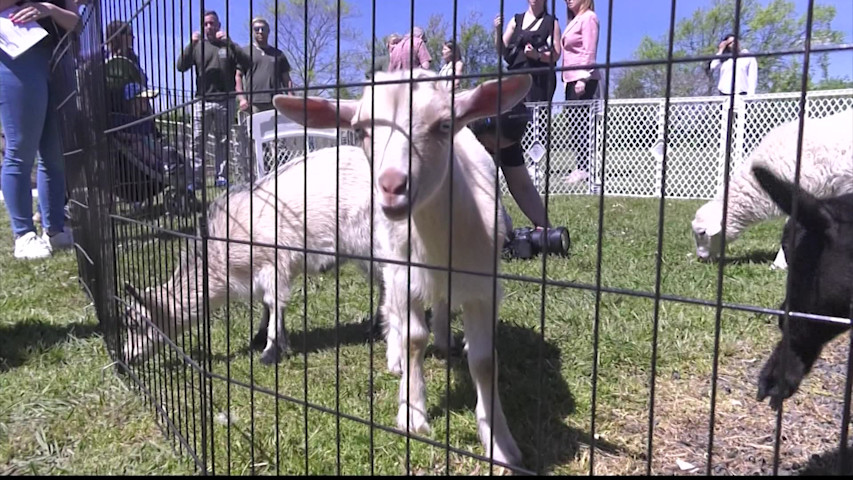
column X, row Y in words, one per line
column 60, row 411
column 546, row 386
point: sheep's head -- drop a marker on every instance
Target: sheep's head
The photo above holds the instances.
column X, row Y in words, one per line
column 707, row 228
column 406, row 128
column 820, row 272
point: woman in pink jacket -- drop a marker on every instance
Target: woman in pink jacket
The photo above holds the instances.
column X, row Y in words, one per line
column 580, row 44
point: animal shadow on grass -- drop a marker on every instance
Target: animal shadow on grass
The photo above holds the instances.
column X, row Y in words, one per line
column 757, row 256
column 534, row 395
column 23, row 340
column 300, row 342
column 829, row 463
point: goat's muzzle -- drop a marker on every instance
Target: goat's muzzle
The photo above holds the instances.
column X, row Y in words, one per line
column 393, row 188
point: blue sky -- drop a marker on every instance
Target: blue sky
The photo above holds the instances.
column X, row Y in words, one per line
column 632, row 19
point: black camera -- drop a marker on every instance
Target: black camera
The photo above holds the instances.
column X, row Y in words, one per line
column 526, row 242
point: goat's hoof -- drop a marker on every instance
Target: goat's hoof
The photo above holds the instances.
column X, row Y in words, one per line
column 395, row 361
column 417, row 420
column 457, row 349
column 259, row 342
column 507, row 454
column 273, row 355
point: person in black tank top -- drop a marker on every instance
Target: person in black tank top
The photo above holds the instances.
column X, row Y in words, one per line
column 531, row 40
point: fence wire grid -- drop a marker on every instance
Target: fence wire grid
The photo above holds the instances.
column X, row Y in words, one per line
column 626, row 357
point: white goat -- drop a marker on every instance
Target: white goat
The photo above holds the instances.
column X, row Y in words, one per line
column 273, row 210
column 416, row 178
column 826, row 170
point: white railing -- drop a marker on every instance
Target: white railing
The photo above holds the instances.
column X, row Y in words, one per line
column 696, row 152
column 697, row 138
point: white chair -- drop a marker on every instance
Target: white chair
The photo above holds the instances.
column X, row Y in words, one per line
column 269, row 125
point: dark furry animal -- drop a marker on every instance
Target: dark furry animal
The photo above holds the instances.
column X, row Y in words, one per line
column 820, row 269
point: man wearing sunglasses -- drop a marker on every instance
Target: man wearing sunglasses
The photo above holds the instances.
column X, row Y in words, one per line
column 269, row 73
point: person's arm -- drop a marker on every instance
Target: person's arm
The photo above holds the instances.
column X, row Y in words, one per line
column 423, row 55
column 752, row 76
column 720, row 49
column 65, row 17
column 285, row 74
column 187, row 56
column 553, row 54
column 242, row 58
column 458, row 67
column 589, row 46
column 238, row 87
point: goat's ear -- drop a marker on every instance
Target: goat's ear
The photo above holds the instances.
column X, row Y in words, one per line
column 482, row 101
column 810, row 214
column 316, row 112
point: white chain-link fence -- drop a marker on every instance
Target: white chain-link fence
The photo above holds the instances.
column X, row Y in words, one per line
column 696, row 152
column 697, row 138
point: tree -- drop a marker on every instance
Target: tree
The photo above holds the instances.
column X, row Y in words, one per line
column 764, row 28
column 320, row 65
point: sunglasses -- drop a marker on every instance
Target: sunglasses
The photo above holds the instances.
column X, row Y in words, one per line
column 260, row 29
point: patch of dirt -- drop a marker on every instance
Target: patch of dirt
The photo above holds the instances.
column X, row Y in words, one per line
column 744, row 429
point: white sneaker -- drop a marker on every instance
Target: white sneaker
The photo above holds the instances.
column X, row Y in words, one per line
column 29, row 246
column 61, row 241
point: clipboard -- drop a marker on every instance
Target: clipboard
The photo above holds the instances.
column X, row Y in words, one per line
column 17, row 39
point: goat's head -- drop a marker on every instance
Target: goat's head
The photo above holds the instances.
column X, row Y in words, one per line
column 820, row 271
column 707, row 228
column 406, row 128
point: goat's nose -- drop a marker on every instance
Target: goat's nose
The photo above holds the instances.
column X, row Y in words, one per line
column 393, row 182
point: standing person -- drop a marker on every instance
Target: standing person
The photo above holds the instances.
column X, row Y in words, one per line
column 530, row 40
column 215, row 58
column 745, row 70
column 413, row 44
column 28, row 114
column 452, row 63
column 382, row 62
column 269, row 73
column 580, row 47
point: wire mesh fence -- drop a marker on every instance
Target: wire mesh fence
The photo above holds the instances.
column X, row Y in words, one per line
column 199, row 245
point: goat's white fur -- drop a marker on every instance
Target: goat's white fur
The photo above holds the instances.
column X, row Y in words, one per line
column 273, row 210
column 381, row 119
column 826, row 170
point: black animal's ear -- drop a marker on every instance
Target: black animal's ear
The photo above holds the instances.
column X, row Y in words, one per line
column 810, row 212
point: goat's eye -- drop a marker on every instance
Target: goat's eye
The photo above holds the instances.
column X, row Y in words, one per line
column 444, row 126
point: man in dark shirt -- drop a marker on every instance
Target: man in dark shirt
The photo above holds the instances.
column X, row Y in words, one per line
column 215, row 58
column 269, row 73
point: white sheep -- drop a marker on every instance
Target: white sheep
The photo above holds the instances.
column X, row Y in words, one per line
column 273, row 210
column 826, row 170
column 413, row 169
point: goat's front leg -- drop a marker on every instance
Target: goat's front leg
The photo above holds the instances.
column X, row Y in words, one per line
column 440, row 323
column 483, row 364
column 407, row 340
column 260, row 339
column 277, row 346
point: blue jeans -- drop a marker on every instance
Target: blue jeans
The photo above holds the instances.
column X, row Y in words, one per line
column 29, row 117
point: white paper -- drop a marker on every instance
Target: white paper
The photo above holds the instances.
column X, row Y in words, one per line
column 17, row 39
